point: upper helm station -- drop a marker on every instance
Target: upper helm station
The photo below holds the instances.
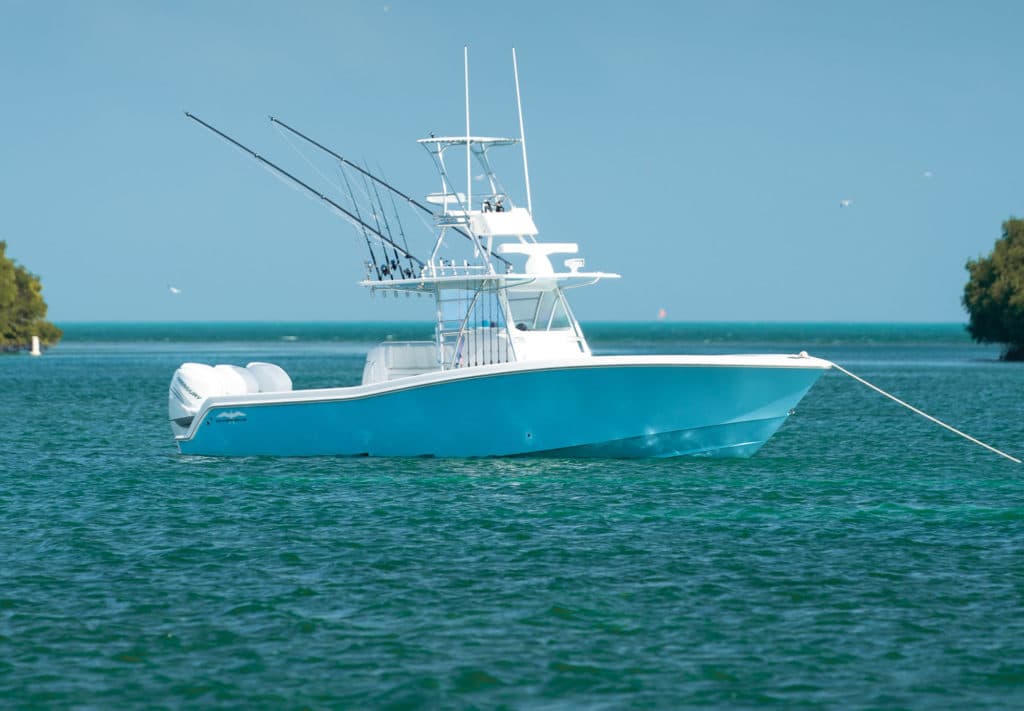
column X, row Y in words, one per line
column 504, row 301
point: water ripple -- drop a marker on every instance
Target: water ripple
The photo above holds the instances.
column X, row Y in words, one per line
column 863, row 559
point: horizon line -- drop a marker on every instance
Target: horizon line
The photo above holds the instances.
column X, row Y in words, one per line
column 421, row 322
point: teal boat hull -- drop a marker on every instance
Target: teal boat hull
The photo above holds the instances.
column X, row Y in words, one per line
column 621, row 407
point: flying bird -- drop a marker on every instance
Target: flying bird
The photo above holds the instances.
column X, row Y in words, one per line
column 173, row 289
column 927, row 174
column 845, row 203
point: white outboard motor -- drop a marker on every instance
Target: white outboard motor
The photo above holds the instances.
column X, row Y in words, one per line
column 270, row 378
column 193, row 383
column 236, row 380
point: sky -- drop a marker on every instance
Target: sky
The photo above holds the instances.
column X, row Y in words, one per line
column 701, row 149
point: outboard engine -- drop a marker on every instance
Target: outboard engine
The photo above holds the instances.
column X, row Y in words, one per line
column 193, row 383
column 270, row 378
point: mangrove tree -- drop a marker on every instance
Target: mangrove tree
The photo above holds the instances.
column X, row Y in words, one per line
column 994, row 294
column 22, row 308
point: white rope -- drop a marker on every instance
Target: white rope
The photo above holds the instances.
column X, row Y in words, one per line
column 925, row 415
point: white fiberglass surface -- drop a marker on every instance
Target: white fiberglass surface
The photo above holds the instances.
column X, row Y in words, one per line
column 538, row 310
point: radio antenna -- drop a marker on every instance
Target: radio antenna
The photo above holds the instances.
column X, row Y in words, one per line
column 469, row 171
column 522, row 134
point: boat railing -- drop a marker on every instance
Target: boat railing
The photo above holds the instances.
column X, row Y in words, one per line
column 450, row 268
column 451, row 220
column 484, row 345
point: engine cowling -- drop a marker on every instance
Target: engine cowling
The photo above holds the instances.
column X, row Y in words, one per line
column 270, row 378
column 193, row 383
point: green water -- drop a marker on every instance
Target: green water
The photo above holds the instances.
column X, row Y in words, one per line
column 864, row 559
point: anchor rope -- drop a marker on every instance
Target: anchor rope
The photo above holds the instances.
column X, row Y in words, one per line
column 925, row 415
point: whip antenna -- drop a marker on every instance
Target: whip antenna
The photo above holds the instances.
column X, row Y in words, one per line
column 469, row 171
column 522, row 133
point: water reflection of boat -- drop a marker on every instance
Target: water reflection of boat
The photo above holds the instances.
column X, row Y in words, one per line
column 509, row 370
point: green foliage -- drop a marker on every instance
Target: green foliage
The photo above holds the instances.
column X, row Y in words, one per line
column 994, row 294
column 22, row 308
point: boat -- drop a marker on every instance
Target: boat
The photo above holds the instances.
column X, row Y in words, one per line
column 509, row 371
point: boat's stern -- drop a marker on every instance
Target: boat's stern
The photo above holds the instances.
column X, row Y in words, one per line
column 194, row 383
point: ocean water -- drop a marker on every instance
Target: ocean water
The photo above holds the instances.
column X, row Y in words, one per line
column 865, row 558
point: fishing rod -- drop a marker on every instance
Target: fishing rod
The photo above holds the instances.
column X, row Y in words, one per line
column 398, row 220
column 396, row 264
column 386, row 270
column 305, row 186
column 355, row 204
column 411, row 200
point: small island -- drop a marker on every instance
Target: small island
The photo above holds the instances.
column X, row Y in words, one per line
column 994, row 294
column 22, row 308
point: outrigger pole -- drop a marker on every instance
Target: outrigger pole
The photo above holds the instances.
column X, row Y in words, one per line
column 308, row 188
column 411, row 200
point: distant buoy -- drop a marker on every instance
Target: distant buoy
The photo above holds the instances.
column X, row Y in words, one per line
column 35, row 347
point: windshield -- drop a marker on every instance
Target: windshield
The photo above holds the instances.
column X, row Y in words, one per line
column 538, row 310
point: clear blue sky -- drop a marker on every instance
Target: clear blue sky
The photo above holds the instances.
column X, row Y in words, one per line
column 701, row 149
